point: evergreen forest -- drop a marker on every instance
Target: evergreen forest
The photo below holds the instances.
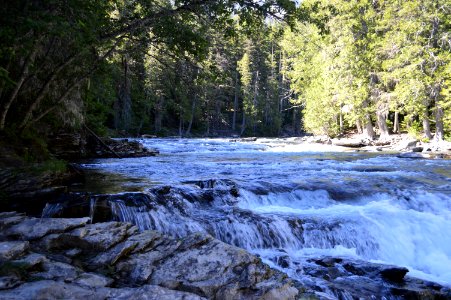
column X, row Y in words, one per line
column 227, row 67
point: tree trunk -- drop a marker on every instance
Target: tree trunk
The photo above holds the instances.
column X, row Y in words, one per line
column 235, row 102
column 382, row 124
column 439, row 113
column 341, row 122
column 427, row 127
column 296, row 122
column 180, row 126
column 25, row 70
column 358, row 124
column 243, row 123
column 138, row 131
column 439, row 128
column 158, row 114
column 123, row 101
column 396, row 128
column 410, row 121
column 267, row 108
column 190, row 124
column 43, row 91
column 69, row 89
column 3, row 82
column 208, row 126
column 368, row 130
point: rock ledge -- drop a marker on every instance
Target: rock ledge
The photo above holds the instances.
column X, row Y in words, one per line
column 70, row 259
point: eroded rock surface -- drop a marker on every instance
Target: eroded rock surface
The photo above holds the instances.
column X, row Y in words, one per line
column 70, row 259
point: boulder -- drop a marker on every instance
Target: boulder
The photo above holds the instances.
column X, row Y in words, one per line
column 106, row 147
column 67, row 145
column 145, row 240
column 14, row 249
column 32, row 261
column 406, row 144
column 393, row 273
column 416, row 149
column 216, row 270
column 99, row 236
column 58, row 271
column 92, row 280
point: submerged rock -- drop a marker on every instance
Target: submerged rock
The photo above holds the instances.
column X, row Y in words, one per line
column 349, row 278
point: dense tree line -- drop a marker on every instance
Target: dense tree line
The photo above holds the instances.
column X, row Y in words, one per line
column 226, row 67
column 375, row 64
column 126, row 64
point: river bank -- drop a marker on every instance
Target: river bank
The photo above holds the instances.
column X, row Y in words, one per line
column 395, row 143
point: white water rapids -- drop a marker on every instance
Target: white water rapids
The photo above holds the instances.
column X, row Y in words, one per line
column 372, row 206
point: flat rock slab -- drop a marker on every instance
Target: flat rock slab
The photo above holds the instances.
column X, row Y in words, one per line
column 32, row 229
column 350, row 143
column 152, row 292
column 102, row 236
column 49, row 289
column 93, row 280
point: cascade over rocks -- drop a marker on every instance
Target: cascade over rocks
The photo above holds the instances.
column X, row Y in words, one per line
column 70, row 259
column 113, row 260
column 183, row 255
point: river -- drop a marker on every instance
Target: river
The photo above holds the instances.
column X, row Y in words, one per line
column 278, row 198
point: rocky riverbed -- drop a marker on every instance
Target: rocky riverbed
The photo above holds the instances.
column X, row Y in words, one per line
column 294, row 225
column 403, row 143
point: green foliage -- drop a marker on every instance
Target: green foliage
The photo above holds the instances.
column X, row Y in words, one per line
column 49, row 166
column 88, row 60
column 205, row 67
column 366, row 58
column 414, row 129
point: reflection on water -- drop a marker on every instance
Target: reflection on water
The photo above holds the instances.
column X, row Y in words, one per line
column 99, row 182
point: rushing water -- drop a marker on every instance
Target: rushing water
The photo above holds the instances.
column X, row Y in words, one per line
column 277, row 197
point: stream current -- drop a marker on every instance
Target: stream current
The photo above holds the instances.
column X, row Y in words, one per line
column 283, row 200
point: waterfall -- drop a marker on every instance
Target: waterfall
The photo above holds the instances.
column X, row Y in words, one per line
column 51, row 210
